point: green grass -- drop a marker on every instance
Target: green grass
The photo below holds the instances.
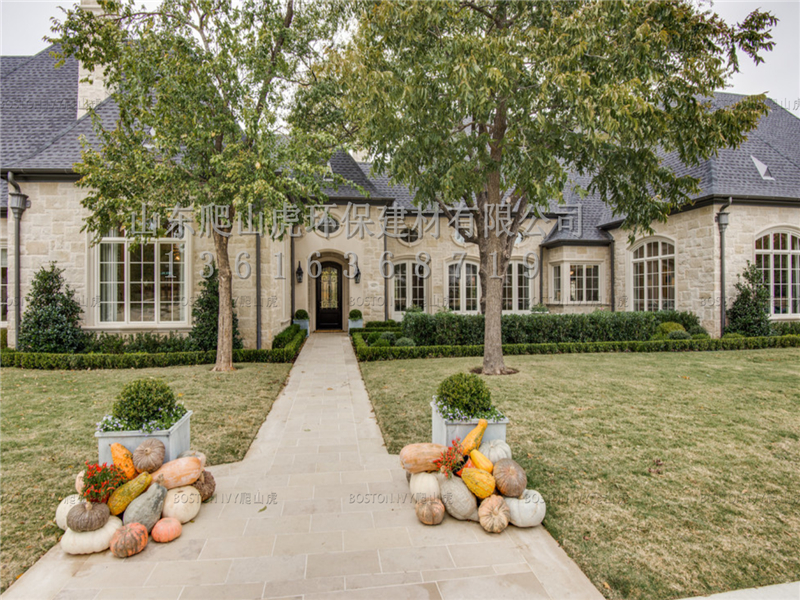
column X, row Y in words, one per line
column 665, row 475
column 47, row 433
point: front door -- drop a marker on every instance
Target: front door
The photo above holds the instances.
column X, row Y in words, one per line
column 329, row 297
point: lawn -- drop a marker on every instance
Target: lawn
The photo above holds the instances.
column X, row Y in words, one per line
column 47, row 433
column 666, row 475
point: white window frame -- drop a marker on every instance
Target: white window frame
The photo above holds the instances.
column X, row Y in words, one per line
column 410, row 264
column 462, row 286
column 514, row 264
column 564, row 290
column 157, row 323
column 632, row 262
column 793, row 270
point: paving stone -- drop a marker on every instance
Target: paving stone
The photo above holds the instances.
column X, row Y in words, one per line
column 343, row 563
column 189, row 572
column 415, row 559
column 242, row 591
column 523, row 586
column 308, row 543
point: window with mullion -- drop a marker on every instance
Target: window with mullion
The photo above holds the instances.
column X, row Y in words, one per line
column 654, row 276
column 3, row 284
column 463, row 287
column 409, row 287
column 778, row 258
column 584, row 285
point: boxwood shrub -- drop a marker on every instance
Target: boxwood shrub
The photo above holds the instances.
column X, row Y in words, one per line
column 287, row 335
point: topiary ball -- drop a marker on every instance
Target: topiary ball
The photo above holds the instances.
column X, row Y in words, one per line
column 145, row 400
column 381, row 343
column 465, row 393
column 404, row 342
column 390, row 336
column 679, row 335
column 669, row 327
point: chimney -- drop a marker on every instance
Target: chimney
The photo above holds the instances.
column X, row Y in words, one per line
column 90, row 93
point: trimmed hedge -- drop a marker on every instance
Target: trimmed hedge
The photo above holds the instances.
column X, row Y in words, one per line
column 786, row 327
column 67, row 362
column 370, row 353
column 451, row 329
column 365, row 331
column 390, row 324
column 286, row 336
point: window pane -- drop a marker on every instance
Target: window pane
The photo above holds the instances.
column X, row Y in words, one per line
column 508, row 289
column 112, row 282
column 453, row 287
column 400, row 287
column 417, row 288
column 4, row 284
column 668, row 284
column 762, row 243
column 141, row 273
column 593, row 283
column 576, row 283
column 653, row 285
column 780, row 284
column 471, row 287
column 638, row 286
column 557, row 283
column 796, row 283
column 523, row 288
column 171, row 272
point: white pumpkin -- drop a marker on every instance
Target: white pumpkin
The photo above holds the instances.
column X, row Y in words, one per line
column 88, row 542
column 182, row 503
column 64, row 507
column 424, row 485
column 458, row 501
column 528, row 510
column 495, row 450
column 196, row 454
column 79, row 482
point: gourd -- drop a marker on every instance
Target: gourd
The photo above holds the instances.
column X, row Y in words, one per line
column 123, row 459
column 430, row 511
column 510, row 477
column 527, row 511
column 480, row 461
column 495, row 450
column 88, row 516
column 63, row 508
column 178, row 472
column 146, row 509
column 474, row 437
column 149, row 455
column 196, row 454
column 424, row 485
column 128, row 540
column 421, row 458
column 459, row 502
column 87, row 542
column 478, row 482
column 125, row 494
column 79, row 482
column 494, row 514
column 182, row 503
column 166, row 530
column 206, row 485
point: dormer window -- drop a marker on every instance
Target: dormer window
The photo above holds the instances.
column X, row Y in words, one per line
column 763, row 169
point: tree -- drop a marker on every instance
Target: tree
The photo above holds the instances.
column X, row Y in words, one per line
column 749, row 313
column 201, row 87
column 494, row 103
column 51, row 322
column 205, row 317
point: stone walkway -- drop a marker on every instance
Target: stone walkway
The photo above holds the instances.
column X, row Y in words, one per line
column 318, row 509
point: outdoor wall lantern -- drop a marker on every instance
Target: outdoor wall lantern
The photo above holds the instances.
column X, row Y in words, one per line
column 358, row 275
column 299, row 273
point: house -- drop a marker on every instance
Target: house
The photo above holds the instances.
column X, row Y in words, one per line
column 575, row 258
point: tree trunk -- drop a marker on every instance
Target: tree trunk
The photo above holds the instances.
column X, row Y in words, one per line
column 225, row 327
column 492, row 247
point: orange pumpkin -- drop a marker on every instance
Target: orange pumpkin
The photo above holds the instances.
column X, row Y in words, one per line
column 166, row 530
column 179, row 472
column 474, row 437
column 123, row 459
column 129, row 540
column 421, row 458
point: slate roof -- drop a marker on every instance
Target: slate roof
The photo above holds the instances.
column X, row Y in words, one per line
column 39, row 130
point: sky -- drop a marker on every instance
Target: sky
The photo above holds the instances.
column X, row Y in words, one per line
column 23, row 24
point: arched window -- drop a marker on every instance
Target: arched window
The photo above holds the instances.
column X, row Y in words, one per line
column 654, row 275
column 778, row 258
column 463, row 287
column 409, row 286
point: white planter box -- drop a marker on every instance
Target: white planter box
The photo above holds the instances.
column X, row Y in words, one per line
column 444, row 431
column 357, row 324
column 176, row 439
column 303, row 324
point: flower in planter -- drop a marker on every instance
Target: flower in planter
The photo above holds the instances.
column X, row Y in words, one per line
column 99, row 481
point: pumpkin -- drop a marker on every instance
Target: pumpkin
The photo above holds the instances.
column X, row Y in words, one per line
column 79, row 482
column 128, row 540
column 474, row 437
column 510, row 477
column 421, row 458
column 123, row 460
column 494, row 514
column 63, row 509
column 88, row 516
column 527, row 511
column 430, row 511
column 495, row 450
column 125, row 494
column 182, row 503
column 459, row 502
column 206, row 485
column 480, row 461
column 87, row 542
column 146, row 508
column 166, row 530
column 478, row 482
column 149, row 456
column 178, row 472
column 196, row 454
column 424, row 485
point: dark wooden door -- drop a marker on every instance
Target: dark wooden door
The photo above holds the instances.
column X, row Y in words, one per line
column 329, row 297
